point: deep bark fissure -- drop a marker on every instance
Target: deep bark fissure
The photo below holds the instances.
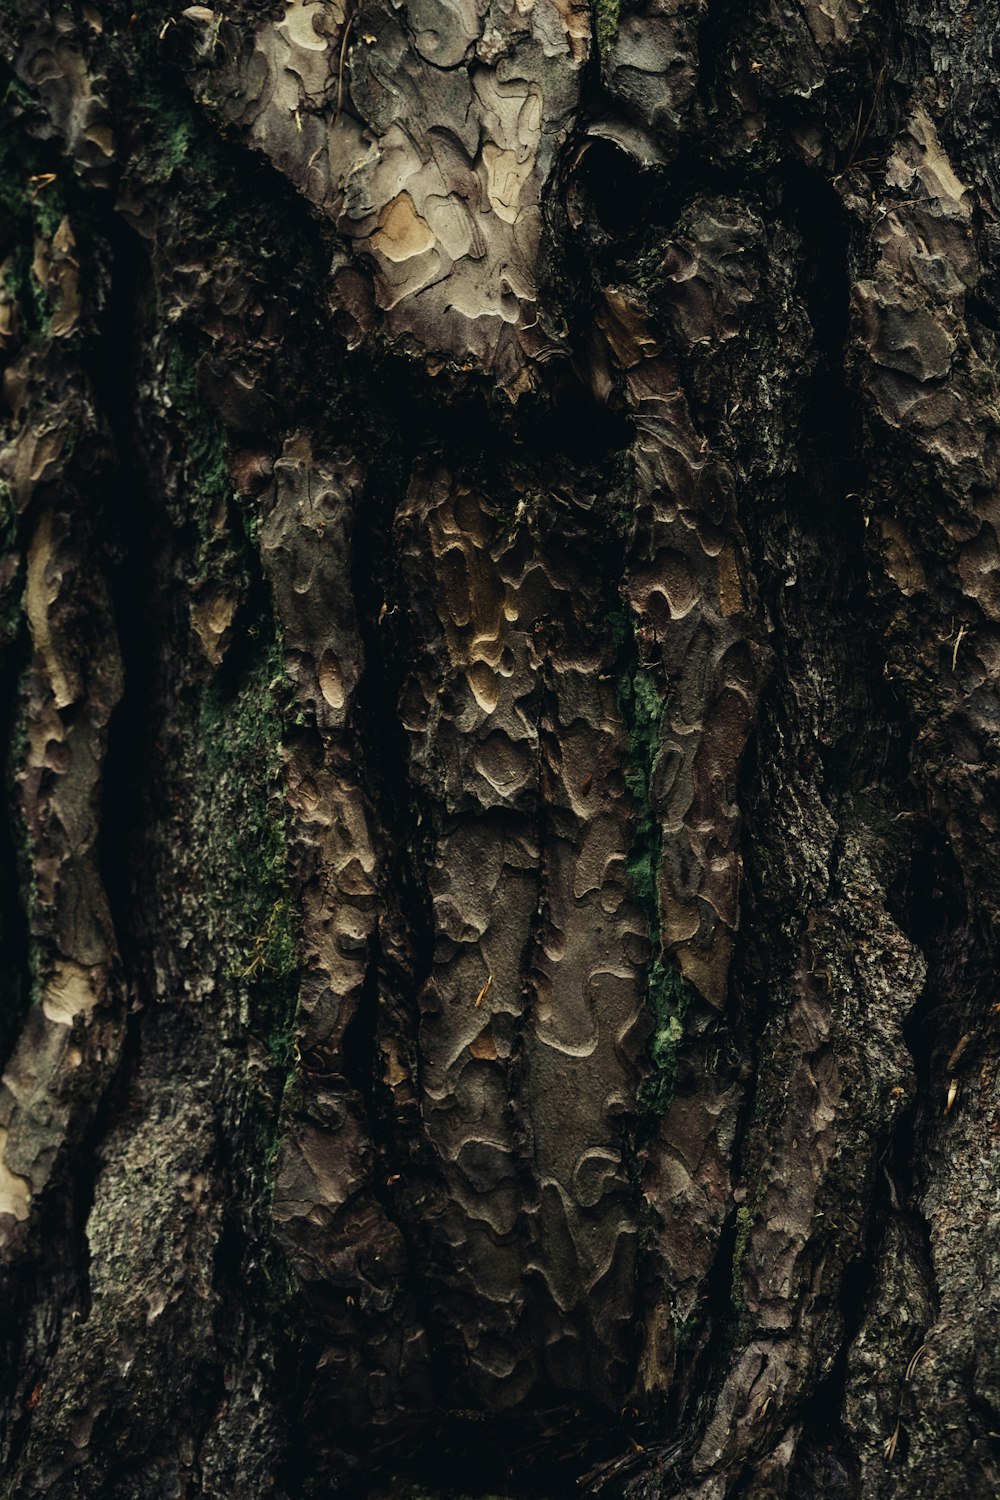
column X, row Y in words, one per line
column 691, row 328
column 383, row 607
column 131, row 544
column 13, row 915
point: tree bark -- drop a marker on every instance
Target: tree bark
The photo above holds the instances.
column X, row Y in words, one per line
column 499, row 641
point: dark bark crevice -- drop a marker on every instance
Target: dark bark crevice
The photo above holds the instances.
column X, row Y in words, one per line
column 16, row 946
column 753, row 273
column 131, row 530
column 382, row 607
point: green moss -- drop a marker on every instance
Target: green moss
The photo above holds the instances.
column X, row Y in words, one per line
column 644, row 715
column 606, row 13
column 34, row 196
column 241, row 725
column 642, row 706
column 8, row 519
column 241, row 737
column 240, row 730
column 179, row 141
column 16, row 170
column 220, row 527
column 35, row 203
column 744, row 1223
column 246, row 900
column 205, row 451
column 175, row 134
column 11, row 572
column 48, row 207
column 668, row 1000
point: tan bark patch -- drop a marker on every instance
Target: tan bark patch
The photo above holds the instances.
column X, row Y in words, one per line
column 39, row 595
column 15, row 1190
column 402, row 233
column 69, row 993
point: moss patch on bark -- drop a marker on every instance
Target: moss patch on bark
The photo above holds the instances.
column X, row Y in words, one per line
column 642, row 707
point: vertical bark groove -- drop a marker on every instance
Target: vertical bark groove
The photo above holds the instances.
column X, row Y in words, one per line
column 498, row 628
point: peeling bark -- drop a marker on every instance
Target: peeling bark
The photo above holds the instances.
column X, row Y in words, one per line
column 498, row 637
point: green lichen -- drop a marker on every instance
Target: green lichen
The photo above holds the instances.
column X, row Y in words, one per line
column 642, row 706
column 606, row 14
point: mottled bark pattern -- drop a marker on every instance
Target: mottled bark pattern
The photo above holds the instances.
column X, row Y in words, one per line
column 536, row 987
column 499, row 640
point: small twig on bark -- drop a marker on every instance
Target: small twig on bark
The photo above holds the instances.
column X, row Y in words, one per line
column 348, row 24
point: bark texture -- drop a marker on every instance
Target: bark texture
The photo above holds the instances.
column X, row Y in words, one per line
column 499, row 649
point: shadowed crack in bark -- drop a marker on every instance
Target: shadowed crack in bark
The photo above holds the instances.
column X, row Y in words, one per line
column 528, row 430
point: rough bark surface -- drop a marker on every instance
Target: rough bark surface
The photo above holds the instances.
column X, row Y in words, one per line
column 499, row 648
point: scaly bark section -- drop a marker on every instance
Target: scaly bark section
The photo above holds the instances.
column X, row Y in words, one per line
column 532, row 1021
column 427, row 139
column 605, row 1022
column 341, row 1246
column 55, row 450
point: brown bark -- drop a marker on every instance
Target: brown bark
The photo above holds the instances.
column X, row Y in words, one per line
column 499, row 639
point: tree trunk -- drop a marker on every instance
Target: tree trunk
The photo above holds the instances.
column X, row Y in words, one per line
column 499, row 637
